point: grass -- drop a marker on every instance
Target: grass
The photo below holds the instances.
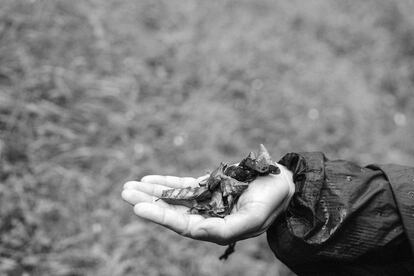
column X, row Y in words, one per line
column 95, row 93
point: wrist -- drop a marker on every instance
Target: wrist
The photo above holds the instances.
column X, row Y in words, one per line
column 287, row 177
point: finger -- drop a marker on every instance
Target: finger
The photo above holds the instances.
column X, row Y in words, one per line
column 171, row 181
column 149, row 188
column 134, row 197
column 204, row 177
column 169, row 218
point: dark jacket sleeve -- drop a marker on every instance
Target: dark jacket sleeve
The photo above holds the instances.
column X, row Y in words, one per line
column 344, row 218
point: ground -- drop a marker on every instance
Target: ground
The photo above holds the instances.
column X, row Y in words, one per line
column 95, row 93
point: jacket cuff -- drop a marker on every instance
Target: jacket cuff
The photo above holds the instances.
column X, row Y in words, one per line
column 308, row 175
column 401, row 179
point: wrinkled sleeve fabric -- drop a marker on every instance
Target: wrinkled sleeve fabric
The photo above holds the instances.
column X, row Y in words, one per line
column 401, row 179
column 343, row 216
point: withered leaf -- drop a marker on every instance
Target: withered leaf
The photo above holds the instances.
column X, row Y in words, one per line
column 215, row 176
column 217, row 195
column 186, row 196
column 231, row 186
column 249, row 162
column 240, row 173
column 228, row 252
column 217, row 205
column 262, row 164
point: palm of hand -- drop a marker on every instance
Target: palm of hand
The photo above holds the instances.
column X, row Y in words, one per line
column 254, row 212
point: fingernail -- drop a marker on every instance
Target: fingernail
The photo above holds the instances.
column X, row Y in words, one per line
column 126, row 194
column 128, row 185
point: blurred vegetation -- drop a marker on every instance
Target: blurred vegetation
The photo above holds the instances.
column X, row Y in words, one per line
column 94, row 93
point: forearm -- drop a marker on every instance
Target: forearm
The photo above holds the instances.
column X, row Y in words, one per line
column 340, row 212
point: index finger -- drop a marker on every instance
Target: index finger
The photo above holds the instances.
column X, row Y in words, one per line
column 173, row 181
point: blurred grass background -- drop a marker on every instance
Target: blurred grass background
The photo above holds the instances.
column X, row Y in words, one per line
column 94, row 93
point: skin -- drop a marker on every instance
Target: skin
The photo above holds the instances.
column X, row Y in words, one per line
column 257, row 208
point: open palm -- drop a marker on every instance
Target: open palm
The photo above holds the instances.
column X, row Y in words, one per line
column 254, row 212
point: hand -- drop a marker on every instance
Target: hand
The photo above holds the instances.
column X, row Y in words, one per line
column 257, row 208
